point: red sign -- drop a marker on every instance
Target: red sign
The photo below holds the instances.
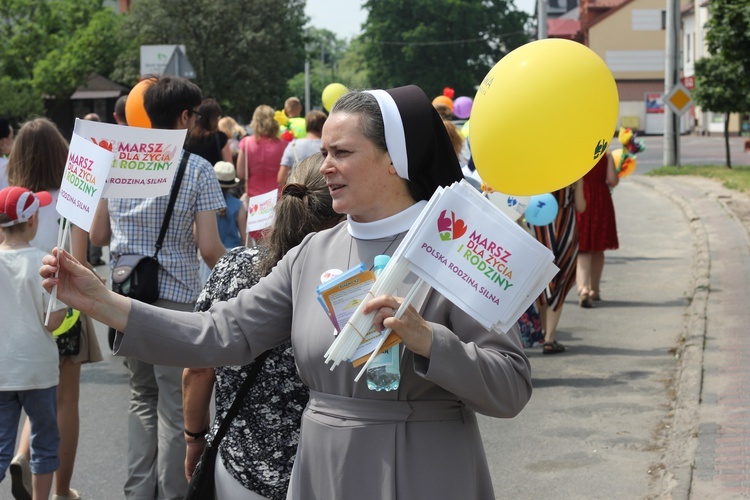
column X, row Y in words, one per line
column 689, row 82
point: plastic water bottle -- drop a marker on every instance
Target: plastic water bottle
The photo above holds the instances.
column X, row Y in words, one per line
column 384, row 373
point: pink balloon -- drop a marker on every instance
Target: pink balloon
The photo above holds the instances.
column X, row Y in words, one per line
column 462, row 107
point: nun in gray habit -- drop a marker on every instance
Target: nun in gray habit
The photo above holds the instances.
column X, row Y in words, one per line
column 386, row 153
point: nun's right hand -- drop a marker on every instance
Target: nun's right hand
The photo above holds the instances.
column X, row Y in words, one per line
column 77, row 286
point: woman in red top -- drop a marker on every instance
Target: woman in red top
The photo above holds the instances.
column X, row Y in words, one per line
column 260, row 154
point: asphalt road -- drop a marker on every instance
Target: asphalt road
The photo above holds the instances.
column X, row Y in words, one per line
column 694, row 150
column 523, row 451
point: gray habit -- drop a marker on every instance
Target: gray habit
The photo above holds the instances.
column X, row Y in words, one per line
column 420, row 441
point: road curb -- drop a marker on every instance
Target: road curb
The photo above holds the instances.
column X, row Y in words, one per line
column 675, row 479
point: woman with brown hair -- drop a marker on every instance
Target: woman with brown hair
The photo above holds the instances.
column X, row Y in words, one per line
column 260, row 156
column 258, row 450
column 205, row 139
column 37, row 162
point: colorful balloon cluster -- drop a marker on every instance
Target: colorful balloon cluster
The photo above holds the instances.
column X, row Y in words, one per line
column 285, row 133
column 624, row 158
column 460, row 107
column 446, row 99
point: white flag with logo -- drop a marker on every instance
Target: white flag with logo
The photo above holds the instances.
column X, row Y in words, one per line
column 145, row 160
column 479, row 259
column 84, row 178
column 260, row 210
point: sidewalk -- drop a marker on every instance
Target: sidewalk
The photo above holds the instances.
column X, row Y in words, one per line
column 722, row 455
column 637, row 407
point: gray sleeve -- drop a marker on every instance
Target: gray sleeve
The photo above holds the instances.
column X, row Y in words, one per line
column 230, row 333
column 488, row 370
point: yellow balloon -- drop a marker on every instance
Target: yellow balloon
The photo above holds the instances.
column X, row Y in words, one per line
column 542, row 117
column 331, row 94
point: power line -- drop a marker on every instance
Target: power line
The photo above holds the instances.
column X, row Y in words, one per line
column 443, row 42
column 446, row 42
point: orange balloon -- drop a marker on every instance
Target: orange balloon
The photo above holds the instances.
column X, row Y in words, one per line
column 135, row 113
column 443, row 99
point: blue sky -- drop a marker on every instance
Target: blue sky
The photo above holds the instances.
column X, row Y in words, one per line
column 345, row 17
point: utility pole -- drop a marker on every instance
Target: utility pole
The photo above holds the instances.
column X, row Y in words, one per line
column 307, row 72
column 541, row 8
column 307, row 85
column 671, row 71
column 322, row 64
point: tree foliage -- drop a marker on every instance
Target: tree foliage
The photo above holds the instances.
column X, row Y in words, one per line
column 49, row 47
column 728, row 30
column 722, row 86
column 439, row 43
column 242, row 51
column 331, row 60
column 722, row 81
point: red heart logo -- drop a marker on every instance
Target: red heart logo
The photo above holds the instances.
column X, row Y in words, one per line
column 103, row 143
column 443, row 222
column 459, row 228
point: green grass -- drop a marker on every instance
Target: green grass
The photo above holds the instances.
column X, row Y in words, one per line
column 737, row 178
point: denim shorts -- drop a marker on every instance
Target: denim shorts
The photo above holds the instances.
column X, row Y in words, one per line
column 41, row 407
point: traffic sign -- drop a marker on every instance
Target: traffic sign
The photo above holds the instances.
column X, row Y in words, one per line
column 679, row 99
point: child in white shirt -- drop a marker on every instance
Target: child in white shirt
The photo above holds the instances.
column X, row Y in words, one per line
column 28, row 353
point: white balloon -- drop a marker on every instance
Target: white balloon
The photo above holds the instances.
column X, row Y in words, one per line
column 512, row 206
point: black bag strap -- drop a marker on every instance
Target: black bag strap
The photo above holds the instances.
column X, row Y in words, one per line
column 239, row 398
column 172, row 199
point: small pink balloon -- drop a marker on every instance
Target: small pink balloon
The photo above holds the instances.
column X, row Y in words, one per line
column 462, row 107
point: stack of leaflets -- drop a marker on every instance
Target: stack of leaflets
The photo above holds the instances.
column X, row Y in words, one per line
column 341, row 295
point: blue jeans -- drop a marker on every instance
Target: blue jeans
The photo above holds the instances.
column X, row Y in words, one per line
column 41, row 407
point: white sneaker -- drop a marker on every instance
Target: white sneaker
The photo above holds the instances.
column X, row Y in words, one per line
column 20, row 475
column 73, row 496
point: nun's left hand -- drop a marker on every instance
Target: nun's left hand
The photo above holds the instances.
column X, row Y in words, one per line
column 415, row 332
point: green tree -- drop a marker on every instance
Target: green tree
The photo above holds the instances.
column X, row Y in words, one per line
column 353, row 66
column 439, row 43
column 722, row 86
column 49, row 47
column 243, row 52
column 728, row 30
column 331, row 60
column 721, row 83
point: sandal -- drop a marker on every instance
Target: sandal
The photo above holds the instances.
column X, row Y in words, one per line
column 552, row 348
column 584, row 300
column 595, row 296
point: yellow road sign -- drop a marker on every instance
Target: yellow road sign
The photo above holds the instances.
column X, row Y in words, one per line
column 679, row 99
